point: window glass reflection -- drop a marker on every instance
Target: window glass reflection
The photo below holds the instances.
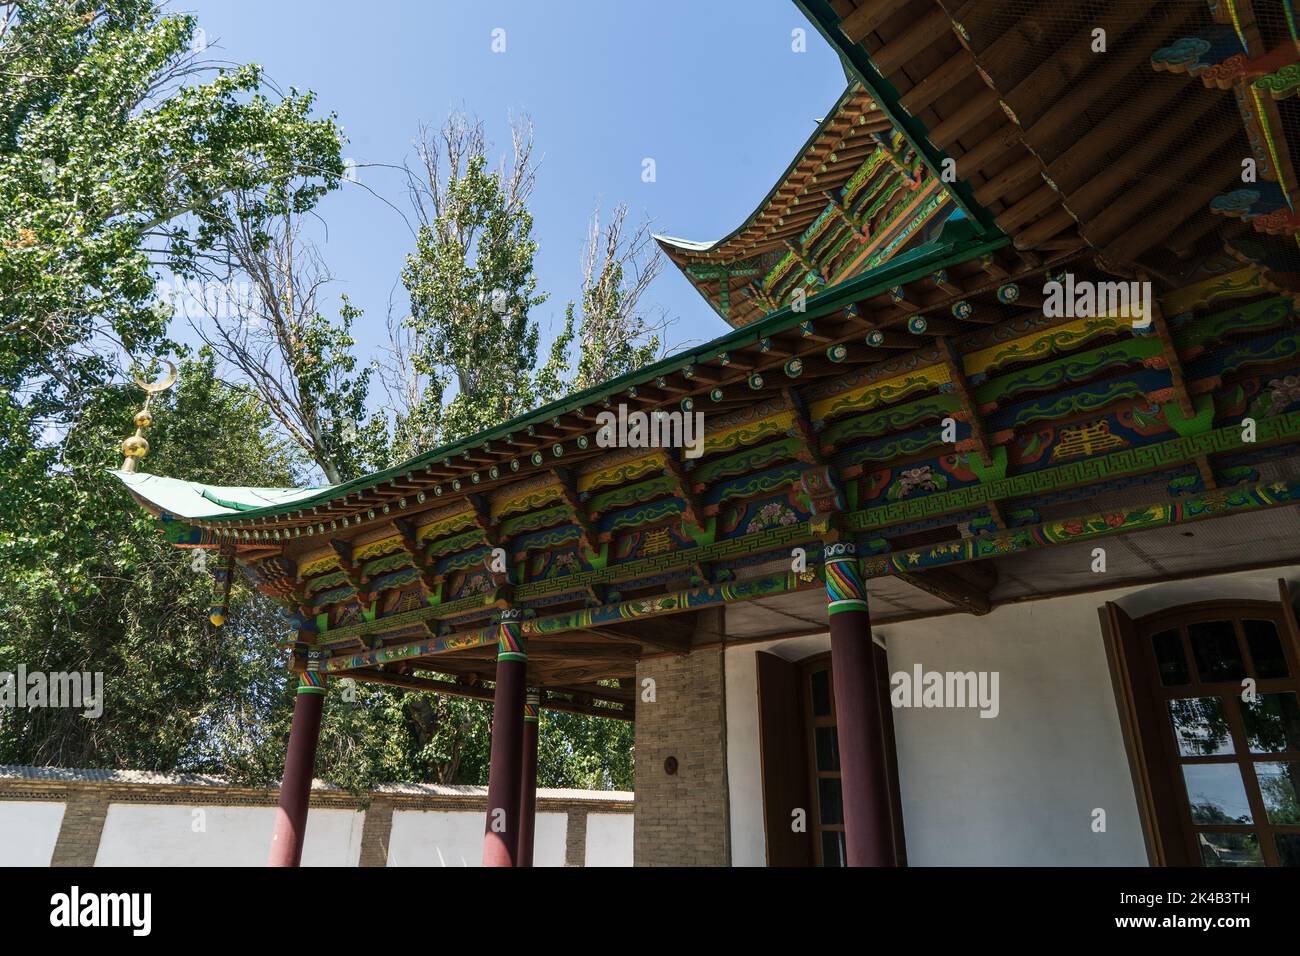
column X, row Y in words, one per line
column 833, row 851
column 1170, row 659
column 1230, row 849
column 1272, row 723
column 828, row 749
column 829, row 802
column 1279, row 784
column 1288, row 848
column 1216, row 793
column 1214, row 645
column 1200, row 726
column 1265, row 648
column 821, row 693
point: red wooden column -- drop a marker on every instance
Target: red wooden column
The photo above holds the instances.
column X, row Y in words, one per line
column 299, row 766
column 505, row 774
column 528, row 789
column 868, row 833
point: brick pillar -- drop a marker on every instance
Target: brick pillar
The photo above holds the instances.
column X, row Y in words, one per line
column 375, row 831
column 864, row 775
column 682, row 817
column 575, row 838
column 505, row 774
column 82, row 826
column 299, row 767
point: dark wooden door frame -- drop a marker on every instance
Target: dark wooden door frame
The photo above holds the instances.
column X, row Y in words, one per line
column 782, row 710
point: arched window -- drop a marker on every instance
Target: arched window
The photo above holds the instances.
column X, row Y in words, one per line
column 1210, row 694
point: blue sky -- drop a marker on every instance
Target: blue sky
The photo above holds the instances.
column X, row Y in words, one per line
column 712, row 91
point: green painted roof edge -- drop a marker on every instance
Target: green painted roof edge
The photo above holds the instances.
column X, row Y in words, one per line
column 955, row 245
column 826, row 20
column 169, row 494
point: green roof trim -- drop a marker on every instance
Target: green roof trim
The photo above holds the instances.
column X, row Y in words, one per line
column 958, row 242
column 886, row 95
column 192, row 500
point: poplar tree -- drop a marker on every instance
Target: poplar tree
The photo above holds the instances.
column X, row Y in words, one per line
column 471, row 285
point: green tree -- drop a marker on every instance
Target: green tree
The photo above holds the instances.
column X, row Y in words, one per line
column 615, row 336
column 109, row 594
column 471, row 286
column 266, row 323
column 589, row 753
column 119, row 153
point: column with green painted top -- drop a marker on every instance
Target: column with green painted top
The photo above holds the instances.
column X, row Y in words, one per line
column 868, row 834
column 299, row 767
column 505, row 774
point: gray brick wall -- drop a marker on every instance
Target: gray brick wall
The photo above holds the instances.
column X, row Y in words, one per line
column 375, row 831
column 83, row 822
column 575, row 839
column 681, row 819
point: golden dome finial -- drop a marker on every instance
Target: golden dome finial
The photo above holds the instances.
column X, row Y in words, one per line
column 136, row 446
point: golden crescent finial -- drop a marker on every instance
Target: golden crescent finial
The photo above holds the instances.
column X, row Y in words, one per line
column 136, row 447
column 167, row 382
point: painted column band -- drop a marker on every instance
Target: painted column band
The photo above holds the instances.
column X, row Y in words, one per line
column 311, row 682
column 510, row 636
column 844, row 588
column 532, row 704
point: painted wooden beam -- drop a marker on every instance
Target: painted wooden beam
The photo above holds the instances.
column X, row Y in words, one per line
column 1086, row 527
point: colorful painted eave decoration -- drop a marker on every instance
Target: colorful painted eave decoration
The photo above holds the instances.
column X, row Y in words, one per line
column 1067, row 405
column 883, row 206
column 1119, row 464
column 1221, row 59
column 1084, row 528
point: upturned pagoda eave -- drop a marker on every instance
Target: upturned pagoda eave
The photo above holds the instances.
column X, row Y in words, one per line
column 824, row 18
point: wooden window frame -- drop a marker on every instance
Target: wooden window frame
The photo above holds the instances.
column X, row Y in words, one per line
column 1141, row 699
column 811, row 722
column 822, row 661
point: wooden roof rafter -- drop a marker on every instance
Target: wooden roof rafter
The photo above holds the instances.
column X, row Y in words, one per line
column 1030, row 113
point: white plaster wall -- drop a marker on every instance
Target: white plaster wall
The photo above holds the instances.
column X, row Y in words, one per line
column 609, row 839
column 1018, row 789
column 455, row 838
column 28, row 831
column 155, row 835
column 548, row 839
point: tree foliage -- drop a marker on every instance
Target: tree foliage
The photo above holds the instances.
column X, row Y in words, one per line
column 124, row 158
column 618, row 267
column 108, row 594
column 471, row 285
column 119, row 153
column 268, row 325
